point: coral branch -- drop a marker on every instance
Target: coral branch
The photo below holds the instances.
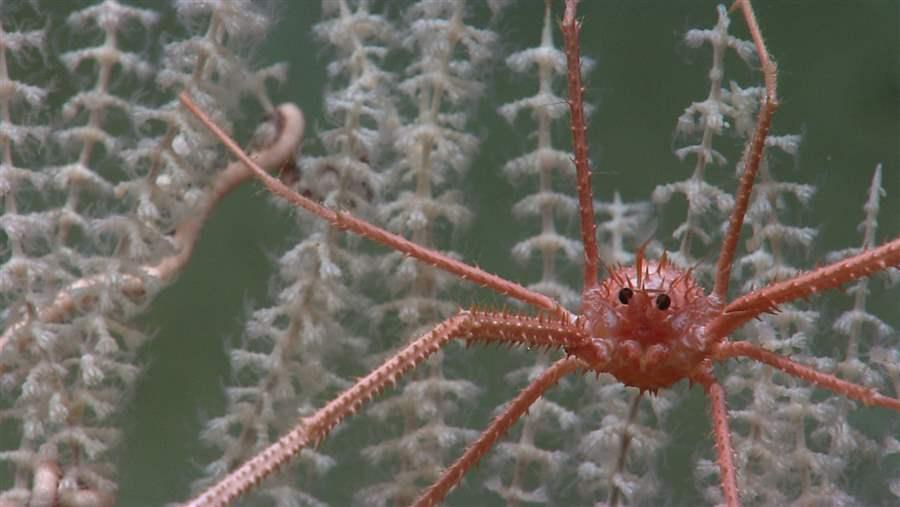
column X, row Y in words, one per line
column 290, row 125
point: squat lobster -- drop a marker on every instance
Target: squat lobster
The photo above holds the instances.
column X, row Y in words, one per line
column 649, row 325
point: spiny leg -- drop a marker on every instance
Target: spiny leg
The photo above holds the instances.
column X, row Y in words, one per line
column 534, row 332
column 345, row 221
column 481, row 326
column 310, row 430
column 846, row 270
column 496, row 429
column 722, row 435
column 570, row 29
column 752, row 156
column 767, row 299
column 866, row 395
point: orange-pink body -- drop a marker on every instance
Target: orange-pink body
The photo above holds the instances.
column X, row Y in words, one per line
column 650, row 319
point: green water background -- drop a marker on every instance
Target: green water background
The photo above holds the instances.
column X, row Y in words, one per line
column 840, row 88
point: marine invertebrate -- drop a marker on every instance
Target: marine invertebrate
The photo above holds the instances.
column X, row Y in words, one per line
column 619, row 330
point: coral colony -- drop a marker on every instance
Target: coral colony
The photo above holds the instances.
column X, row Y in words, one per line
column 347, row 385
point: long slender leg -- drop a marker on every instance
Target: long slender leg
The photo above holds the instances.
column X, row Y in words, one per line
column 516, row 408
column 866, row 395
column 724, row 452
column 570, row 29
column 541, row 332
column 343, row 220
column 314, row 428
column 475, row 325
column 752, row 156
column 768, row 298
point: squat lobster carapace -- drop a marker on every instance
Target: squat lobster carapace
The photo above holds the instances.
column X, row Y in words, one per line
column 650, row 320
column 649, row 325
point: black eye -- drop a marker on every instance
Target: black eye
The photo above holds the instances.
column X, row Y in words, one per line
column 663, row 301
column 625, row 295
